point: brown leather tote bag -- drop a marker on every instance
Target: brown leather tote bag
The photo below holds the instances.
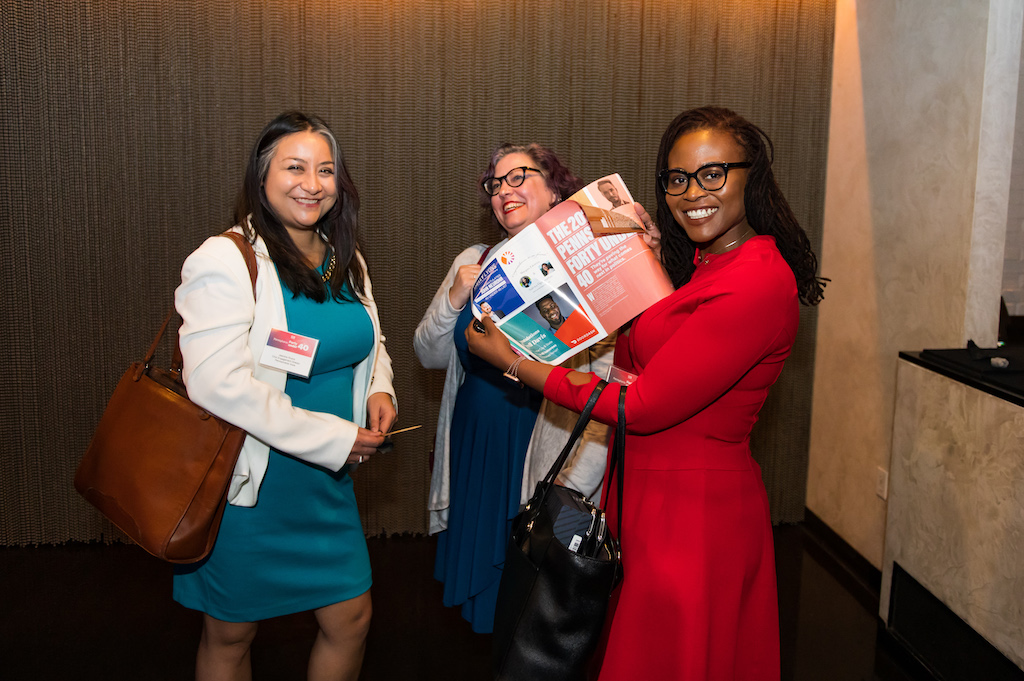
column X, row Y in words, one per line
column 158, row 466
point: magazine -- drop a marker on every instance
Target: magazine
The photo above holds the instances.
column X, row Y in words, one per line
column 572, row 277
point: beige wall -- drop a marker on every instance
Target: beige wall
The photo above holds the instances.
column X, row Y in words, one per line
column 1013, row 260
column 956, row 508
column 916, row 152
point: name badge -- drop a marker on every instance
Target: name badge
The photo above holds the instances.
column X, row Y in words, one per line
column 619, row 375
column 289, row 352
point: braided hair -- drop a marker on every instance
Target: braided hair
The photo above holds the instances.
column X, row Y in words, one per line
column 767, row 210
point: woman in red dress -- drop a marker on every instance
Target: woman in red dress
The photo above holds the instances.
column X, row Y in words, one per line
column 699, row 598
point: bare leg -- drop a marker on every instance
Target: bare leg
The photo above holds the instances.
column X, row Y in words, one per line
column 341, row 642
column 224, row 650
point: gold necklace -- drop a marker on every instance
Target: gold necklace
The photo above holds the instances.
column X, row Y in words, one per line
column 326, row 276
column 705, row 255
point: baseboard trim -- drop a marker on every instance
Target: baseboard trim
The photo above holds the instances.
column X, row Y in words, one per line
column 860, row 577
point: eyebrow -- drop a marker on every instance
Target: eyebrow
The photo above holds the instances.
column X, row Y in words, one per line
column 709, row 163
column 302, row 160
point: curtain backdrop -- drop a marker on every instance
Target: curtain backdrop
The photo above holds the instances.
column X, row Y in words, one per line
column 126, row 125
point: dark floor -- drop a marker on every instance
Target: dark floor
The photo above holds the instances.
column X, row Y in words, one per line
column 105, row 612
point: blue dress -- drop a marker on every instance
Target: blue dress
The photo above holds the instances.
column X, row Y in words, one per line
column 301, row 547
column 491, row 427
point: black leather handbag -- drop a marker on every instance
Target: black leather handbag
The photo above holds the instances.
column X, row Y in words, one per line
column 561, row 567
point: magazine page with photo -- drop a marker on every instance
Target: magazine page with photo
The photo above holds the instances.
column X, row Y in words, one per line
column 608, row 206
column 569, row 279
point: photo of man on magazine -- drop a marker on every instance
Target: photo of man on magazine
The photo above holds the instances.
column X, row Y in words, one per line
column 611, row 193
column 560, row 312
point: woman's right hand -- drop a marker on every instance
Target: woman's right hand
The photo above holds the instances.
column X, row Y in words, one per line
column 366, row 444
column 462, row 287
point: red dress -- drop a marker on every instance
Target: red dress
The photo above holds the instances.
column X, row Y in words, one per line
column 699, row 597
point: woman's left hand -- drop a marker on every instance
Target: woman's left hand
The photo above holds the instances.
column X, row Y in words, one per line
column 652, row 237
column 380, row 412
column 490, row 344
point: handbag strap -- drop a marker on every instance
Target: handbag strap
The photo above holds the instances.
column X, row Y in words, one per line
column 618, row 462
column 484, row 256
column 577, row 430
column 249, row 254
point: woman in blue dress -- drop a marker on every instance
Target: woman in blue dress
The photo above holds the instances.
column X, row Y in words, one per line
column 291, row 539
column 486, row 423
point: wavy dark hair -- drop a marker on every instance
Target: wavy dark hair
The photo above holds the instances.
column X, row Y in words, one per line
column 768, row 212
column 339, row 227
column 559, row 179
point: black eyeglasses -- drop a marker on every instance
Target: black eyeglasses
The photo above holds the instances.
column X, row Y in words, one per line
column 513, row 178
column 710, row 177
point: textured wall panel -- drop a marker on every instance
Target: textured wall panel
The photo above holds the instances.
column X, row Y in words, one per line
column 126, row 126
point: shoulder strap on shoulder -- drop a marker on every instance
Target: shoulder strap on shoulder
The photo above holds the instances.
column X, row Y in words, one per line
column 247, row 252
column 484, row 256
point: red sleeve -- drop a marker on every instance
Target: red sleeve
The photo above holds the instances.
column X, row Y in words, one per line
column 740, row 319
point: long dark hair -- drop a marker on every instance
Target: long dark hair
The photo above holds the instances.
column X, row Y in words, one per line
column 768, row 212
column 559, row 178
column 339, row 226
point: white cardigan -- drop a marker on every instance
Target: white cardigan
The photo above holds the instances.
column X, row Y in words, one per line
column 222, row 336
column 435, row 348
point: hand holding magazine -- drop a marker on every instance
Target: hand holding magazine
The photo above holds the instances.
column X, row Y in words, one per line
column 578, row 273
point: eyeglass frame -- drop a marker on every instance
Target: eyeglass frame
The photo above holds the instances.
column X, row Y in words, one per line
column 504, row 178
column 663, row 176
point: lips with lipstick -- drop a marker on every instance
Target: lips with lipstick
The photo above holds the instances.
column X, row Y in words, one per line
column 511, row 206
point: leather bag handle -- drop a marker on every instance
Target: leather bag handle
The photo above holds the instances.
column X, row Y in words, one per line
column 618, row 463
column 484, row 256
column 249, row 254
column 577, row 430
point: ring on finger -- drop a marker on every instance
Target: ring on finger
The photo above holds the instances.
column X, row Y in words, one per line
column 360, row 458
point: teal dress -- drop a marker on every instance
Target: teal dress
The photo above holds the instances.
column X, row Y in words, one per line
column 301, row 546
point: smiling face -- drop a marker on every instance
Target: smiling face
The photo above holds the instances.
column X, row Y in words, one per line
column 711, row 218
column 517, row 207
column 550, row 311
column 300, row 183
column 609, row 192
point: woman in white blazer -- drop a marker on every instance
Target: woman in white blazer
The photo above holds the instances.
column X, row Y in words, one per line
column 291, row 539
column 490, row 447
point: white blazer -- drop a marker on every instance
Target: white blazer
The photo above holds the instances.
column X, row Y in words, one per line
column 222, row 336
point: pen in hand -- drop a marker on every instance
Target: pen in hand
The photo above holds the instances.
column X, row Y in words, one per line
column 388, row 445
column 401, row 430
